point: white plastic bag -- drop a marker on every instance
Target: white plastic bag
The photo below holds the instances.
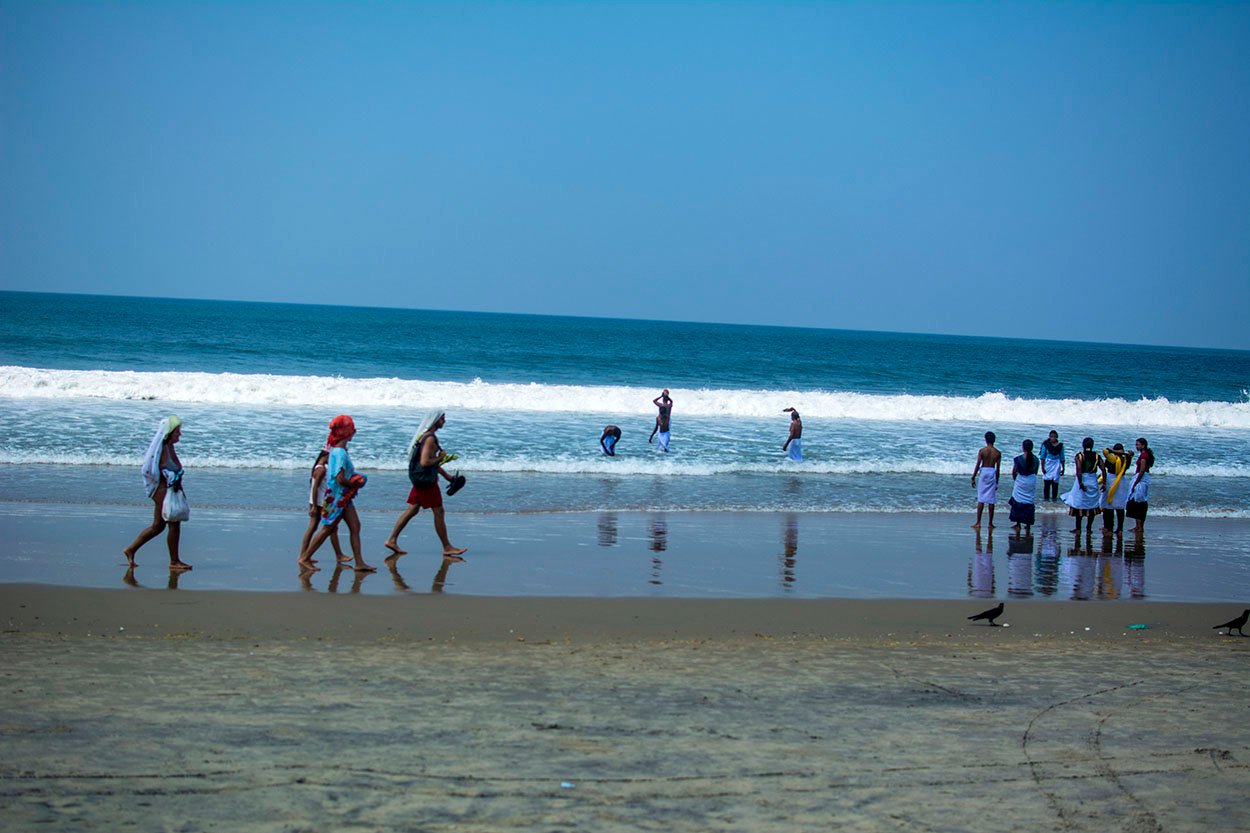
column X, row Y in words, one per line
column 175, row 508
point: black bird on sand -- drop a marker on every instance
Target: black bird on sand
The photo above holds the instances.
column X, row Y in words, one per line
column 1238, row 623
column 994, row 612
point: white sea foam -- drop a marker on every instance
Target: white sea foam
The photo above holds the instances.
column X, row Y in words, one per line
column 651, row 465
column 331, row 391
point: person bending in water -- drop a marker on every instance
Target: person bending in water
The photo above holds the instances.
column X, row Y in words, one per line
column 162, row 470
column 985, row 477
column 794, row 443
column 341, row 485
column 611, row 436
column 665, row 404
column 425, row 459
column 1052, row 466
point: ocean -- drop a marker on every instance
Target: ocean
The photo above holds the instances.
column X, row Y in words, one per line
column 892, row 421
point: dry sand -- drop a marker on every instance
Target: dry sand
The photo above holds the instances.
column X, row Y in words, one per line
column 150, row 710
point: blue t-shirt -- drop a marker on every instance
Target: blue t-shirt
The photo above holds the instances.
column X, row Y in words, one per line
column 339, row 461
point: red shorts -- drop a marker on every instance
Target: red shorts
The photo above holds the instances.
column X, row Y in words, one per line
column 427, row 497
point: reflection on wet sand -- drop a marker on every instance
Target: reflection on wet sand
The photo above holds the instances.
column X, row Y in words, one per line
column 436, row 586
column 1135, row 566
column 1046, row 567
column 608, row 530
column 174, row 575
column 658, row 528
column 1020, row 566
column 981, row 568
column 789, row 549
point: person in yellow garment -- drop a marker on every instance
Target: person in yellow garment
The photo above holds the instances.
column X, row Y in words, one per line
column 1115, row 489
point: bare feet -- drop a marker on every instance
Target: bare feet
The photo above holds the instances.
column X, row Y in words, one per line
column 393, row 546
column 451, row 552
column 130, row 558
column 362, row 567
column 179, row 566
column 976, row 526
column 344, row 559
column 453, row 559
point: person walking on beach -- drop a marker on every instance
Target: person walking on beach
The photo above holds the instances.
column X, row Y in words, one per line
column 425, row 459
column 316, row 481
column 794, row 443
column 1024, row 488
column 1114, row 492
column 1052, row 464
column 1084, row 499
column 341, row 485
column 162, row 471
column 1139, row 490
column 665, row 404
column 608, row 440
column 985, row 477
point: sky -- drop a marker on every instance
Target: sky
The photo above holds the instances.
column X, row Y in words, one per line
column 1054, row 170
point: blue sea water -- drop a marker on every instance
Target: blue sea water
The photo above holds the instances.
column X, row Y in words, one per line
column 892, row 421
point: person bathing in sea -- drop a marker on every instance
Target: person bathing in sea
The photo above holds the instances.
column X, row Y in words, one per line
column 162, row 470
column 1052, row 466
column 608, row 440
column 1115, row 495
column 1084, row 499
column 425, row 466
column 665, row 404
column 1024, row 488
column 341, row 485
column 985, row 478
column 1139, row 490
column 316, row 481
column 794, row 443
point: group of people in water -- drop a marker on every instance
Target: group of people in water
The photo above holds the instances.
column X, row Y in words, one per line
column 1101, row 484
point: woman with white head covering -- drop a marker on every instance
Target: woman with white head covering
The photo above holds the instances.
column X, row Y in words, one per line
column 162, row 471
column 425, row 466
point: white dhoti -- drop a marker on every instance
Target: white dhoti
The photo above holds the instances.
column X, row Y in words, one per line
column 1084, row 495
column 1050, row 470
column 1140, row 492
column 796, row 450
column 987, row 485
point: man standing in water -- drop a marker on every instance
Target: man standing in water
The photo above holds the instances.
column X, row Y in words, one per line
column 985, row 477
column 665, row 404
column 794, row 443
column 608, row 440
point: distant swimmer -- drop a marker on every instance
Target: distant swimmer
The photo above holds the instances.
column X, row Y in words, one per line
column 1139, row 489
column 611, row 436
column 665, row 404
column 794, row 443
column 1052, row 466
column 985, row 478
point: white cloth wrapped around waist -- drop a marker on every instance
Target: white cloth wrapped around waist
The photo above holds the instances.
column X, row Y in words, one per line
column 1085, row 493
column 1141, row 489
column 1024, row 490
column 1050, row 470
column 987, row 485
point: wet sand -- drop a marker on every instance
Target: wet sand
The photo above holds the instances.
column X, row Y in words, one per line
column 152, row 710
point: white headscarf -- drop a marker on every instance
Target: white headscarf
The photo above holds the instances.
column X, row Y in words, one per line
column 152, row 460
column 427, row 422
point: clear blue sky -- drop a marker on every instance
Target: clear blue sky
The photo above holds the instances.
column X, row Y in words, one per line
column 1054, row 170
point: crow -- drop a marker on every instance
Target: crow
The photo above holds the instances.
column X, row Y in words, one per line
column 1238, row 623
column 994, row 612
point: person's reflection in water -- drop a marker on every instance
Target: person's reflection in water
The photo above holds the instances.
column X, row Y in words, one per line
column 789, row 550
column 659, row 543
column 358, row 578
column 392, row 564
column 305, row 581
column 1135, row 565
column 607, row 529
column 129, row 578
column 981, row 568
column 1110, row 567
column 1047, row 564
column 440, row 578
column 174, row 576
column 1079, row 571
column 1020, row 566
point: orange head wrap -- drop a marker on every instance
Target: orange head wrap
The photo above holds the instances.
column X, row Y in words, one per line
column 341, row 429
